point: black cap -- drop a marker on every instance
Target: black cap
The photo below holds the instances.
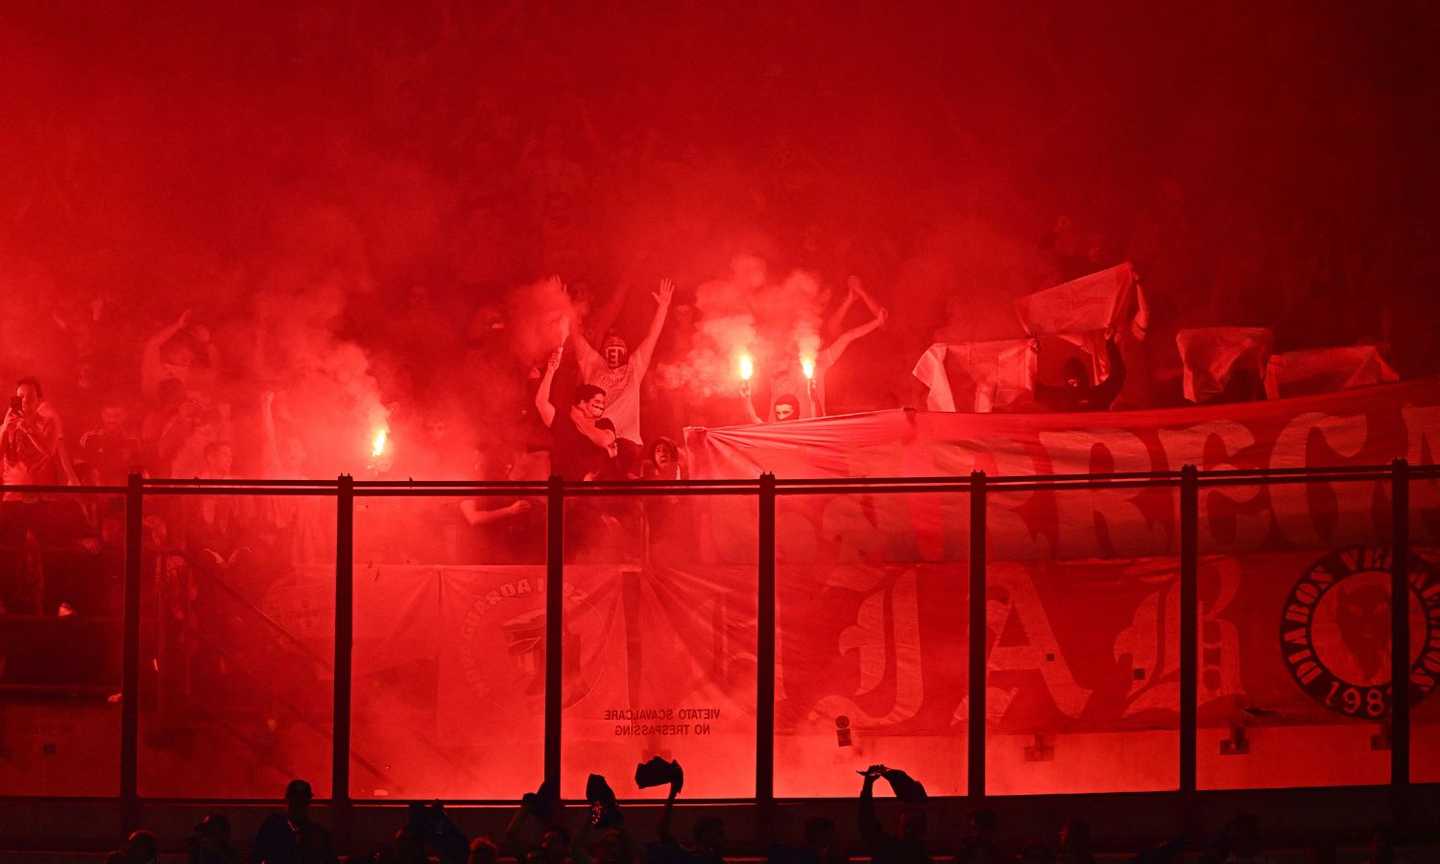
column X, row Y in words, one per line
column 298, row 790
column 598, row 791
column 658, row 772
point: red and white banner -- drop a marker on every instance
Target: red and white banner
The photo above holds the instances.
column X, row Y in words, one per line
column 1358, row 427
column 1326, row 370
column 1097, row 302
column 1213, row 356
column 977, row 376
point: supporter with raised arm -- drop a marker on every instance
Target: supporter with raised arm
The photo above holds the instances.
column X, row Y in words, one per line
column 783, row 407
column 1076, row 393
column 618, row 371
column 792, row 380
column 580, row 449
column 171, row 352
column 907, row 846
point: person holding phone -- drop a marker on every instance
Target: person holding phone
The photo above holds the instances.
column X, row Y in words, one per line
column 32, row 443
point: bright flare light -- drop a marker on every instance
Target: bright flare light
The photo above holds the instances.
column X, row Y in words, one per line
column 377, row 445
column 747, row 367
column 807, row 365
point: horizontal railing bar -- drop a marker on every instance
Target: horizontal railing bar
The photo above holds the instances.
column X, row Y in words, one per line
column 312, row 491
column 818, row 485
column 34, row 489
column 233, row 481
column 442, row 484
column 454, row 492
column 1292, row 480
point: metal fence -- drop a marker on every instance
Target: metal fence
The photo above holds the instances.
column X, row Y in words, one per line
column 766, row 490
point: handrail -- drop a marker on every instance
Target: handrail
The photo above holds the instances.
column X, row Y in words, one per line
column 733, row 486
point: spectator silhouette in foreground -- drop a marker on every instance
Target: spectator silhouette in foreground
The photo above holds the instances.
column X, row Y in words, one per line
column 708, row 835
column 483, row 850
column 535, row 833
column 292, row 837
column 431, row 828
column 210, row 842
column 980, row 845
column 1077, row 393
column 907, row 844
column 1075, row 843
column 141, row 848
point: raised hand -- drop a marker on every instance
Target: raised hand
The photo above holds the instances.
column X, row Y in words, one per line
column 666, row 292
column 552, row 363
column 853, row 287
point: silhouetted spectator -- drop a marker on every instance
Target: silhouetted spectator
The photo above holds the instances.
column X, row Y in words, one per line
column 1076, row 393
column 708, row 835
column 483, row 850
column 1075, row 843
column 1382, row 847
column 907, row 844
column 141, row 848
column 292, row 837
column 436, row 833
column 980, row 845
column 210, row 842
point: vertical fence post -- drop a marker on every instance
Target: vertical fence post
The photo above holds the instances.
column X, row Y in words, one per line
column 130, row 656
column 765, row 660
column 554, row 627
column 975, row 742
column 344, row 654
column 1189, row 625
column 1400, row 639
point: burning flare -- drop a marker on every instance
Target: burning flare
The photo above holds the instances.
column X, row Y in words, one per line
column 747, row 367
column 377, row 444
column 807, row 365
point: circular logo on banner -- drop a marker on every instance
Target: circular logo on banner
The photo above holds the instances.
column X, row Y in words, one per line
column 503, row 639
column 1335, row 631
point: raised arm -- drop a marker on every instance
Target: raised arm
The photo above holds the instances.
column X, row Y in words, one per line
column 663, row 831
column 870, row 828
column 1107, row 391
column 834, row 350
column 745, row 396
column 836, row 321
column 646, row 349
column 604, row 319
column 585, row 354
column 542, row 395
column 151, row 367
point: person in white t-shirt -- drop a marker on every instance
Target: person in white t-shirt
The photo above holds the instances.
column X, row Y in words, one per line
column 619, row 371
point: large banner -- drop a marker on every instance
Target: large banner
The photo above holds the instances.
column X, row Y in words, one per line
column 1364, row 427
column 1082, row 608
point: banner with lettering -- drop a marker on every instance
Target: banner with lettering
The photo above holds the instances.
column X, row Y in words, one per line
column 1362, row 427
